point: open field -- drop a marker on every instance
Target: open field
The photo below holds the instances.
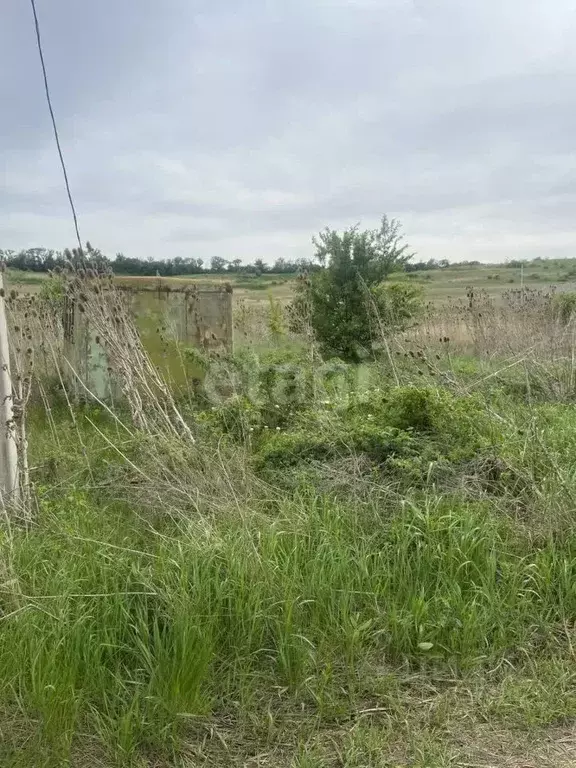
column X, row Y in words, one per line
column 438, row 284
column 348, row 566
column 451, row 283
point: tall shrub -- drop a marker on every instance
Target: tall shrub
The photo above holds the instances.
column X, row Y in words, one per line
column 342, row 298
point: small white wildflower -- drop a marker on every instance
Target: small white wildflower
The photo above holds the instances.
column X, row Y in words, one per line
column 251, row 429
column 277, row 429
column 277, row 406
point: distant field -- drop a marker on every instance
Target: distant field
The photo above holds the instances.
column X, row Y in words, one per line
column 452, row 283
column 438, row 284
column 30, row 282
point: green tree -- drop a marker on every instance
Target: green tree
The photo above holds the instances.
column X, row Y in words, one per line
column 341, row 299
column 235, row 265
column 218, row 264
column 260, row 267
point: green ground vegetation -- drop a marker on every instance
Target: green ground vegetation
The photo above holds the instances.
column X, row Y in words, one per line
column 355, row 565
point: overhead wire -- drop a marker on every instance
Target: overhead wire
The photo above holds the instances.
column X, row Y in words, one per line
column 54, row 126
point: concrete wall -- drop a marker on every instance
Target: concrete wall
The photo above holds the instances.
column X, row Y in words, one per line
column 196, row 317
column 85, row 362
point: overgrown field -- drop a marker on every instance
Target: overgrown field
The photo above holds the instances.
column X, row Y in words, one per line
column 349, row 566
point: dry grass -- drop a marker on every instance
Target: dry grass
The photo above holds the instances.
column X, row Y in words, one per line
column 524, row 336
column 406, row 735
column 484, row 328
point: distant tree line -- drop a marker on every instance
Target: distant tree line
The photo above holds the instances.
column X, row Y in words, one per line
column 421, row 266
column 46, row 260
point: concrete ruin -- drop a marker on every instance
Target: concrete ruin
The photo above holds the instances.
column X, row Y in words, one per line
column 188, row 317
column 199, row 317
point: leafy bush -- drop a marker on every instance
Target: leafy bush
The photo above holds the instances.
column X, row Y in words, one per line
column 397, row 304
column 53, row 292
column 340, row 301
column 284, row 450
column 456, row 426
column 564, row 305
column 275, row 318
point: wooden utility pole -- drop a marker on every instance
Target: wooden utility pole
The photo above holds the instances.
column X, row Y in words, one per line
column 9, row 479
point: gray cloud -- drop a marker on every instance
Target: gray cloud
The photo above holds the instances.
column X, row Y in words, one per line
column 240, row 127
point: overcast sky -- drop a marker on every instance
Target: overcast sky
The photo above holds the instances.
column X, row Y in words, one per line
column 238, row 128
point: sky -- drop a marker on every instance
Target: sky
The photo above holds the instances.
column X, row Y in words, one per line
column 239, row 128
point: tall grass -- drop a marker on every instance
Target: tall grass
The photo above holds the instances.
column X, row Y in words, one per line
column 133, row 636
column 169, row 593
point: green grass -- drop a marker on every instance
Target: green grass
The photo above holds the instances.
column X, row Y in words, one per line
column 24, row 282
column 307, row 623
column 344, row 572
column 495, row 279
column 138, row 637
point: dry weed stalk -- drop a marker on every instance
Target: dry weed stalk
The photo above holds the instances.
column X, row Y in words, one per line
column 523, row 330
column 183, row 481
column 485, row 328
column 161, row 465
column 101, row 313
column 382, row 333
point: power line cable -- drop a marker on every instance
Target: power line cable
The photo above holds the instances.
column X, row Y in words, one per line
column 55, row 128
